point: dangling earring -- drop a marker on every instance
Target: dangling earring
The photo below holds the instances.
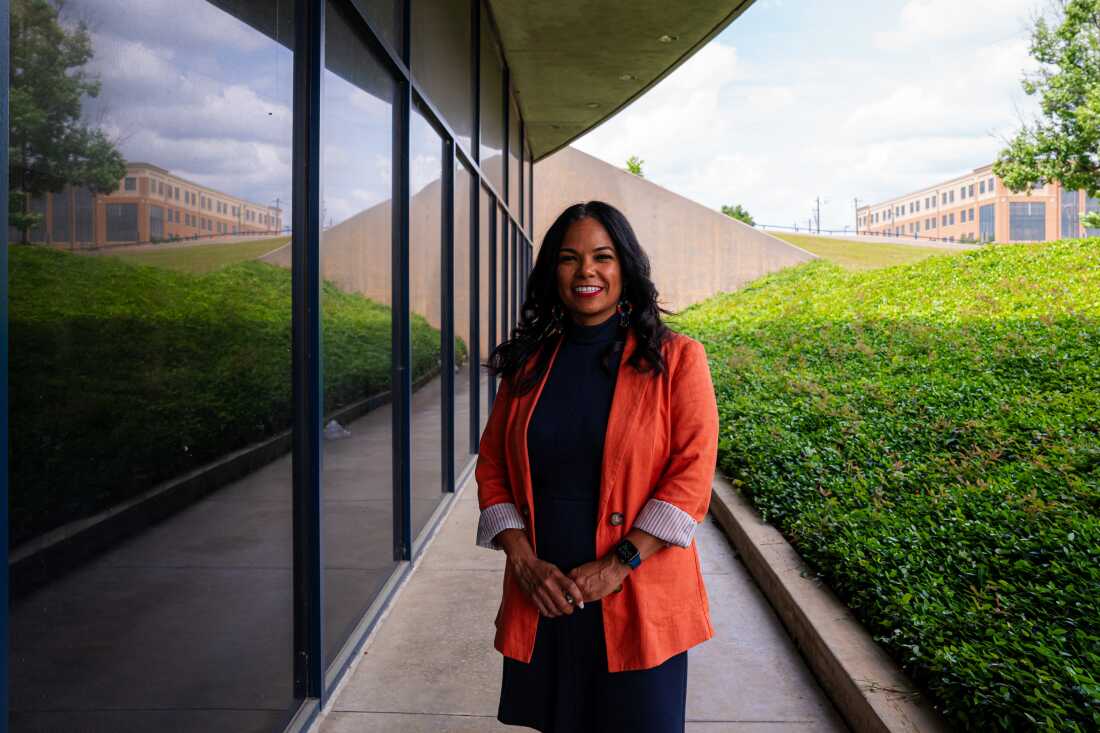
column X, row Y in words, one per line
column 624, row 309
column 554, row 325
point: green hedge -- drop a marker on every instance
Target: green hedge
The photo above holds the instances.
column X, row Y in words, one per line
column 123, row 376
column 928, row 437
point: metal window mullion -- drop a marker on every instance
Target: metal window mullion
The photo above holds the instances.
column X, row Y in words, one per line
column 475, row 64
column 306, row 365
column 505, row 281
column 448, row 315
column 493, row 308
column 5, row 56
column 401, row 342
column 506, row 147
column 520, row 190
column 473, row 348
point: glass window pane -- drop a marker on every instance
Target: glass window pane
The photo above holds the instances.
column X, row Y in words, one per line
column 387, row 17
column 441, row 47
column 1026, row 221
column 513, row 157
column 59, row 212
column 357, row 482
column 1071, row 222
column 529, row 191
column 426, row 314
column 504, row 326
column 492, row 107
column 145, row 374
column 486, row 268
column 463, row 346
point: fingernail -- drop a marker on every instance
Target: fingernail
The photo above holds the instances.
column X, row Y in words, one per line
column 580, row 604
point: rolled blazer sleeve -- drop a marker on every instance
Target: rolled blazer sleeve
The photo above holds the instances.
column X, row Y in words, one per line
column 682, row 495
column 494, row 493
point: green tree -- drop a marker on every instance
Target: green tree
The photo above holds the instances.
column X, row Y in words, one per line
column 740, row 213
column 1064, row 144
column 634, row 165
column 50, row 146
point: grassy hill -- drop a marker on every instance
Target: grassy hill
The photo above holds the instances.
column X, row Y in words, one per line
column 928, row 437
column 123, row 376
column 198, row 258
column 853, row 255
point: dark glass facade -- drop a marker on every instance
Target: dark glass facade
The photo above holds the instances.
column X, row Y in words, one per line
column 987, row 223
column 228, row 452
column 1071, row 223
column 1026, row 221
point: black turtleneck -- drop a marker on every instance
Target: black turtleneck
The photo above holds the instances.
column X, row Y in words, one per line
column 565, row 442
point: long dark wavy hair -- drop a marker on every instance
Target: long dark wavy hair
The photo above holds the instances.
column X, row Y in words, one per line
column 537, row 332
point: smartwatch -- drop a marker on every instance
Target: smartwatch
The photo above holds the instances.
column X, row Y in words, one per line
column 628, row 554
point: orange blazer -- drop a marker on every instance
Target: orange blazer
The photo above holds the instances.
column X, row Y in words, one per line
column 661, row 443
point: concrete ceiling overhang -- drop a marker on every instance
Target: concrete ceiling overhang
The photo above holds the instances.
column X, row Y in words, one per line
column 576, row 63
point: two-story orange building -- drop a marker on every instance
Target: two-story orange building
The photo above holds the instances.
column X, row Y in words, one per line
column 978, row 207
column 150, row 205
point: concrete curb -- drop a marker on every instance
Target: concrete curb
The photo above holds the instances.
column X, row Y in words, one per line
column 867, row 687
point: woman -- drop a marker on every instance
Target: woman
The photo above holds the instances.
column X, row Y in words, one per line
column 594, row 469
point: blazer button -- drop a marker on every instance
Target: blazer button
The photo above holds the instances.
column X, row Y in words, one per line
column 616, row 519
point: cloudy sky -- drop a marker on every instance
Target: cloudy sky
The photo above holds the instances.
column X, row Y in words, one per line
column 799, row 99
column 796, row 99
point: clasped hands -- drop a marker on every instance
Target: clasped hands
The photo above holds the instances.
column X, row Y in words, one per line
column 547, row 586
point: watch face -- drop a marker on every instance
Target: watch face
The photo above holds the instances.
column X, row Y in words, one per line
column 628, row 553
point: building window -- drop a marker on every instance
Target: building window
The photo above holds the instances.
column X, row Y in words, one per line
column 1070, row 215
column 951, row 218
column 1026, row 221
column 156, row 223
column 122, row 222
column 130, row 184
column 990, row 186
column 951, row 196
column 970, row 190
column 971, row 213
column 981, row 186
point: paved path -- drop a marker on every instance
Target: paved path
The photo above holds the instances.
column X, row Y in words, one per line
column 430, row 666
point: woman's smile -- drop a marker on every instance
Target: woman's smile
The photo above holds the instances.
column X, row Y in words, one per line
column 589, row 277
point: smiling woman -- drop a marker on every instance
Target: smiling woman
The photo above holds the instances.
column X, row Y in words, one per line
column 589, row 279
column 602, row 590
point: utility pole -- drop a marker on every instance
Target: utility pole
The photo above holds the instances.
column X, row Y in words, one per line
column 817, row 215
column 856, row 201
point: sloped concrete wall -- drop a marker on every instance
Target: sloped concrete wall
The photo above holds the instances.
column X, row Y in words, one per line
column 695, row 251
column 356, row 254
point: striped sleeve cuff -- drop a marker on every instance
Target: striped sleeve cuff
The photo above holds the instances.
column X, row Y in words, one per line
column 666, row 522
column 494, row 520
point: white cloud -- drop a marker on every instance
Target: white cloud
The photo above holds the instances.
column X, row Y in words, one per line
column 795, row 101
column 923, row 21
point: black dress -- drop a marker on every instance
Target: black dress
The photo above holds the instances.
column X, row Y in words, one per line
column 566, row 688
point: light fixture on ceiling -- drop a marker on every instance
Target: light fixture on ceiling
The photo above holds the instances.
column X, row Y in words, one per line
column 593, row 105
column 627, row 77
column 666, row 38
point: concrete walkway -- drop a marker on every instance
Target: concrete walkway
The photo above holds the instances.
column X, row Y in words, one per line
column 430, row 666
